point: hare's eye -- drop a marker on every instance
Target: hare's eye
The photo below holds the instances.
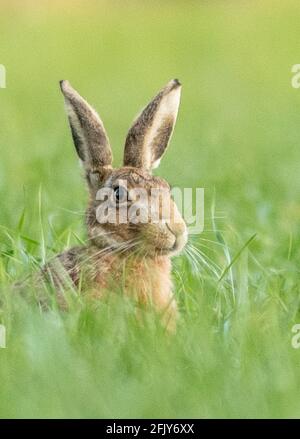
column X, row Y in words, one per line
column 120, row 194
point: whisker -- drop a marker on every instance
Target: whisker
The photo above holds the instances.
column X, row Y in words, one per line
column 112, row 249
column 213, row 242
column 192, row 260
column 197, row 250
column 75, row 212
column 101, row 234
column 211, row 265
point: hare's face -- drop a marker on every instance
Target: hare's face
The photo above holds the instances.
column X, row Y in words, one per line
column 134, row 210
column 129, row 208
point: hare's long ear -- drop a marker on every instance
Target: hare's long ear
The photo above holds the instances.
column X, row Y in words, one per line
column 88, row 133
column 150, row 133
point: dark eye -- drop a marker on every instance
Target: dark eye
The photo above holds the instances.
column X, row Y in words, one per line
column 120, row 194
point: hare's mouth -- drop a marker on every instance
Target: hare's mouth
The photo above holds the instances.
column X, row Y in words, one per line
column 179, row 243
column 180, row 240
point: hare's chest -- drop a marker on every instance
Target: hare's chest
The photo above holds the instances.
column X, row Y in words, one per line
column 147, row 280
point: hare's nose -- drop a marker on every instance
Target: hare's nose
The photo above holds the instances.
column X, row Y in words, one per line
column 176, row 229
column 180, row 233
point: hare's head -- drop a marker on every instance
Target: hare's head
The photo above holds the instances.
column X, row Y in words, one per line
column 129, row 206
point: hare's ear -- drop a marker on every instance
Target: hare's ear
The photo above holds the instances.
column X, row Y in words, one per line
column 88, row 132
column 150, row 133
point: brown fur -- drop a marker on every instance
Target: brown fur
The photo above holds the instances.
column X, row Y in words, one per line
column 146, row 280
column 133, row 257
column 136, row 147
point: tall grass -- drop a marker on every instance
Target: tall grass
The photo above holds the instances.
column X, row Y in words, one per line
column 237, row 136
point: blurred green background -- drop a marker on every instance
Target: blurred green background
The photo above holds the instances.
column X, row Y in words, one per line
column 237, row 135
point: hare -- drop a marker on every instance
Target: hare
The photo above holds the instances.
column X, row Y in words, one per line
column 132, row 255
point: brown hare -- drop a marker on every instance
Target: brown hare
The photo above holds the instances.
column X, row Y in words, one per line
column 130, row 254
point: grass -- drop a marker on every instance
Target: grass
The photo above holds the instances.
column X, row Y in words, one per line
column 237, row 136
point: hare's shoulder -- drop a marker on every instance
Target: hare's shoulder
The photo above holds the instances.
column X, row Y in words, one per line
column 75, row 264
column 64, row 267
column 77, row 267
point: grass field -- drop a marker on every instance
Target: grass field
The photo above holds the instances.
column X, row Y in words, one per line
column 237, row 135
